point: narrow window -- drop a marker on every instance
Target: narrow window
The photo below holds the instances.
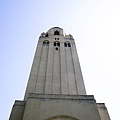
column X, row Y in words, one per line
column 56, row 33
column 68, row 44
column 65, row 44
column 54, row 43
column 44, row 43
column 58, row 44
column 47, row 43
column 46, row 35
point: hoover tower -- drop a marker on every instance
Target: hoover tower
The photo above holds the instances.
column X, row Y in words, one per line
column 55, row 89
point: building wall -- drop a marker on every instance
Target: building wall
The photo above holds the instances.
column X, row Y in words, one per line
column 60, row 107
column 17, row 110
column 103, row 111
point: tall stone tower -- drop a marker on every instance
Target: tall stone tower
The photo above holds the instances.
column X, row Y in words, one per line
column 55, row 89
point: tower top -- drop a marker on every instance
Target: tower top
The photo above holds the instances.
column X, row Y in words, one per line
column 56, row 31
column 57, row 27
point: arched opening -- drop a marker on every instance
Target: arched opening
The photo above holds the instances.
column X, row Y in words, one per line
column 67, row 44
column 56, row 43
column 45, row 43
column 56, row 33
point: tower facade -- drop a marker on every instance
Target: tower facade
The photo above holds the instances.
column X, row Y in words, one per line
column 55, row 89
column 56, row 68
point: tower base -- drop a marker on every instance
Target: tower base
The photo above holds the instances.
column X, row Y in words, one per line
column 59, row 107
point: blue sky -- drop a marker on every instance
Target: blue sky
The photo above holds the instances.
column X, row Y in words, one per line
column 95, row 25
